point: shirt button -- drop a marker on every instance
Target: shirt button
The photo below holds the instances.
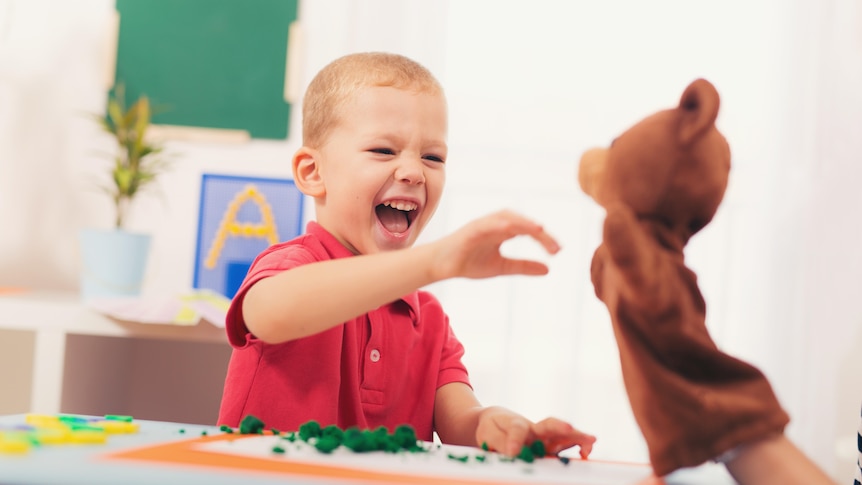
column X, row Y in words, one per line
column 375, row 355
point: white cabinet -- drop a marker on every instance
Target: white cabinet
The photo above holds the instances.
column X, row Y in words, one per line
column 58, row 356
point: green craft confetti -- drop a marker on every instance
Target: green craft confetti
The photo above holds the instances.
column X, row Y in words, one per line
column 356, row 440
column 538, row 449
column 334, row 432
column 251, row 425
column 117, row 417
column 43, row 429
column 84, row 427
column 70, row 419
column 405, row 437
column 325, row 444
column 310, row 429
column 526, row 454
column 384, row 441
column 329, row 438
column 462, row 459
column 379, row 437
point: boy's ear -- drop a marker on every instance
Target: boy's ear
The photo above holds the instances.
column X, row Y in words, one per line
column 306, row 172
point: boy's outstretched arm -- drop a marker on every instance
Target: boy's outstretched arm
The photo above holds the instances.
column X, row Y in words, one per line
column 315, row 297
column 459, row 419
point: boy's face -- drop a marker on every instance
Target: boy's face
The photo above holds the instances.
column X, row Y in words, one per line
column 383, row 169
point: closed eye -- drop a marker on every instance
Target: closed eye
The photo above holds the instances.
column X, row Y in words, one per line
column 434, row 158
column 383, row 151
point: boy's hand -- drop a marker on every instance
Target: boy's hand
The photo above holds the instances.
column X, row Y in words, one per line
column 474, row 250
column 507, row 432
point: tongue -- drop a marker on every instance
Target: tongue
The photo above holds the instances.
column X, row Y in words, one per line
column 393, row 220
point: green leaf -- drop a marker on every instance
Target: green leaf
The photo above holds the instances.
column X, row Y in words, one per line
column 137, row 162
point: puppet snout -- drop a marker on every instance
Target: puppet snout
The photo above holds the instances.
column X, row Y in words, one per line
column 591, row 169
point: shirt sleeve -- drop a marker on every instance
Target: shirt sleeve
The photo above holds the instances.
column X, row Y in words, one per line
column 452, row 368
column 269, row 263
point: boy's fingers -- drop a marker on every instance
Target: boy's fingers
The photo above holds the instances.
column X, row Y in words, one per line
column 552, row 426
column 516, row 435
column 538, row 233
column 550, row 244
column 526, row 267
column 560, row 435
column 518, row 225
column 586, row 447
column 506, row 435
column 493, row 434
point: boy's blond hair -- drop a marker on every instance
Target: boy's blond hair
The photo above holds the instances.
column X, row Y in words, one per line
column 333, row 86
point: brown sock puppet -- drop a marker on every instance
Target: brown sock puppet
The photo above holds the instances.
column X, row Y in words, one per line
column 660, row 182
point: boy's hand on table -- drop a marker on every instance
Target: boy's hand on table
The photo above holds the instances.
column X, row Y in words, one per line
column 507, row 432
column 558, row 435
column 474, row 250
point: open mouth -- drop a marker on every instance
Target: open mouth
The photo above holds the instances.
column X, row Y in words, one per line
column 396, row 215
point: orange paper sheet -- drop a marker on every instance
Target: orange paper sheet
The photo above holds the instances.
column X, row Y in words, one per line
column 192, row 453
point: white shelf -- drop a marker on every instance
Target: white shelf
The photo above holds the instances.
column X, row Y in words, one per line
column 65, row 313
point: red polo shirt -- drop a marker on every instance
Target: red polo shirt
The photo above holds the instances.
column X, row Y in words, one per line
column 381, row 368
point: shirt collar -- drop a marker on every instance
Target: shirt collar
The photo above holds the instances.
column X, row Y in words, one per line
column 333, row 247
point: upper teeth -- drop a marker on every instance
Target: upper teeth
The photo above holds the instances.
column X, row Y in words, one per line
column 401, row 205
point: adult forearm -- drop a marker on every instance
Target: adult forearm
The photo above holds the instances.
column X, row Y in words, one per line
column 775, row 461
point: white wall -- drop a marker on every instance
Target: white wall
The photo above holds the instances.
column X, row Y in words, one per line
column 531, row 85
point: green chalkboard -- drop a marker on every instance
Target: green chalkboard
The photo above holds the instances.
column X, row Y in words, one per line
column 208, row 63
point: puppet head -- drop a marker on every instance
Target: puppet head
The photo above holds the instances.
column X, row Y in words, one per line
column 671, row 167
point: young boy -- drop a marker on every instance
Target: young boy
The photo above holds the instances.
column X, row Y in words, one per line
column 331, row 326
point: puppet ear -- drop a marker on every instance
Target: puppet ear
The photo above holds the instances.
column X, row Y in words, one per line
column 699, row 109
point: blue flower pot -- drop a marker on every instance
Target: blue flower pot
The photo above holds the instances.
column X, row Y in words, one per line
column 113, row 262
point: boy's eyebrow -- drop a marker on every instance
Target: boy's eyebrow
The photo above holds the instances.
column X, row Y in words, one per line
column 437, row 148
column 378, row 139
column 393, row 134
column 393, row 138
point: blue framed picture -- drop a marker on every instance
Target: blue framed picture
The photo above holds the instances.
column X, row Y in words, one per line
column 240, row 217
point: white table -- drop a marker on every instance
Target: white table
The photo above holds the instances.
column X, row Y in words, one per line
column 93, row 464
column 59, row 320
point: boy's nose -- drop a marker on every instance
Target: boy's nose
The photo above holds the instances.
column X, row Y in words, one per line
column 410, row 171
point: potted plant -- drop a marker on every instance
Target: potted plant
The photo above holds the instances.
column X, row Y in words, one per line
column 136, row 163
column 114, row 260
